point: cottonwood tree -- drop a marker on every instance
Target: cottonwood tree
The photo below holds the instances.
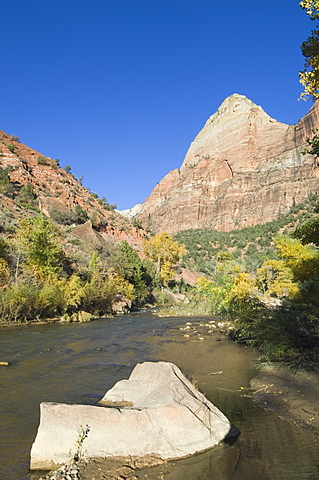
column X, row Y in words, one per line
column 309, row 77
column 166, row 253
column 38, row 240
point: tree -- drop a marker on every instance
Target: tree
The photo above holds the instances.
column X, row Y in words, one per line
column 275, row 278
column 308, row 232
column 27, row 195
column 39, row 242
column 128, row 265
column 309, row 77
column 165, row 252
column 80, row 215
column 313, row 144
column 301, row 259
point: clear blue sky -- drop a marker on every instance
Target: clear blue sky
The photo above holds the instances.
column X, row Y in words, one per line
column 118, row 89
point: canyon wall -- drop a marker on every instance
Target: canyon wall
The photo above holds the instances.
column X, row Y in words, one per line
column 242, row 169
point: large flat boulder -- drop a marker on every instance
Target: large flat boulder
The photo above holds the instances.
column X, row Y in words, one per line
column 157, row 411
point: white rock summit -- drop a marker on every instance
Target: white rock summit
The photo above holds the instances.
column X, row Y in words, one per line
column 157, row 411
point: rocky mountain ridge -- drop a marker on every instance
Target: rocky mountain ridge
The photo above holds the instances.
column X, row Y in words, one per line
column 243, row 168
column 55, row 192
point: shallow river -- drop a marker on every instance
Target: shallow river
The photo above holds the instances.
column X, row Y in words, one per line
column 78, row 363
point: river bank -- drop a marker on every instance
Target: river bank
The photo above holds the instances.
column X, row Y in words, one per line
column 293, row 396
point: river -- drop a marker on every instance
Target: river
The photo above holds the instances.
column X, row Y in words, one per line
column 78, row 363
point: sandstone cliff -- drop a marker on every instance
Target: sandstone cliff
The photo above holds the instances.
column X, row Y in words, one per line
column 242, row 169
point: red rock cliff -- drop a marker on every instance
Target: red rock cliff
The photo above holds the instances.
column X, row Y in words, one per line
column 242, row 169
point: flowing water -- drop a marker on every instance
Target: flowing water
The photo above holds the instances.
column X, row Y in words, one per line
column 78, row 363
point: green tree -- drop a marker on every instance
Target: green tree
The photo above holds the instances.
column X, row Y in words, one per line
column 27, row 195
column 39, row 242
column 42, row 160
column 6, row 187
column 313, row 143
column 80, row 215
column 308, row 232
column 128, row 265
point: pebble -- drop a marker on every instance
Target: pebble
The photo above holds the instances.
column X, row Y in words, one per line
column 4, row 364
column 68, row 472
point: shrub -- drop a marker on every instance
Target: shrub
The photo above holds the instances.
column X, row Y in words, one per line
column 15, row 138
column 42, row 160
column 11, row 147
column 80, row 215
column 62, row 217
column 27, row 196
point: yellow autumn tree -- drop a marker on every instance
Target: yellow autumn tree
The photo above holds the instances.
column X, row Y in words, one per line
column 165, row 252
column 303, row 260
column 275, row 278
column 309, row 77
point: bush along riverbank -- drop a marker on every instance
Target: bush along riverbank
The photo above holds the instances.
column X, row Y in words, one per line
column 45, row 273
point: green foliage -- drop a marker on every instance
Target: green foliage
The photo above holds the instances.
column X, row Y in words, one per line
column 11, row 147
column 67, row 217
column 80, row 215
column 250, row 246
column 6, row 187
column 127, row 263
column 107, row 206
column 80, row 317
column 42, row 160
column 39, row 242
column 308, row 232
column 27, row 196
column 289, row 332
column 313, row 143
column 101, row 290
column 62, row 217
column 39, row 280
column 67, row 168
column 309, row 77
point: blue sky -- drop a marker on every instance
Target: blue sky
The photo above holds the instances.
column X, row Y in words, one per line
column 118, row 89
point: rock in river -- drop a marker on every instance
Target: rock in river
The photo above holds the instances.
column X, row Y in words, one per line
column 156, row 411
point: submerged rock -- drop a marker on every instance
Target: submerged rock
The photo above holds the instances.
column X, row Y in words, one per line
column 157, row 411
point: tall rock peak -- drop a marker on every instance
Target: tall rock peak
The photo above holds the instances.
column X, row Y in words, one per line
column 233, row 105
column 243, row 168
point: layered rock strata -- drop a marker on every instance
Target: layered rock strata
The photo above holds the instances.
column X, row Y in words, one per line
column 243, row 168
column 157, row 411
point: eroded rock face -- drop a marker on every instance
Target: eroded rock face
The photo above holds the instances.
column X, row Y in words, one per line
column 157, row 411
column 242, row 169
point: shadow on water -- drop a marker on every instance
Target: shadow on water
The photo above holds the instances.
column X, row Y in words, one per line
column 78, row 363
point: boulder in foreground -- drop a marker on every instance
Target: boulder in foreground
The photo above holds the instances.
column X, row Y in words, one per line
column 157, row 411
